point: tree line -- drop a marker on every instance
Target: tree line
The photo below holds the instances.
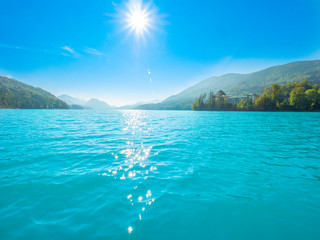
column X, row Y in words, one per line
column 297, row 96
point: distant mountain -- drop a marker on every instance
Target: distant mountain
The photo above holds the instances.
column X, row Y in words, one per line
column 72, row 100
column 15, row 94
column 97, row 104
column 76, row 103
column 241, row 84
column 134, row 106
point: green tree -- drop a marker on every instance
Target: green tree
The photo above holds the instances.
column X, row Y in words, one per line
column 304, row 84
column 313, row 98
column 245, row 105
column 211, row 102
column 220, row 103
column 298, row 99
column 276, row 93
column 285, row 105
column 264, row 103
column 199, row 105
column 316, row 87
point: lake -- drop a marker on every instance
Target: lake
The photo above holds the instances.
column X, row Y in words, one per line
column 68, row 174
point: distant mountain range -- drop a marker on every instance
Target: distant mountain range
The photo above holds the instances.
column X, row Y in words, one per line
column 93, row 103
column 134, row 106
column 15, row 94
column 241, row 84
column 77, row 103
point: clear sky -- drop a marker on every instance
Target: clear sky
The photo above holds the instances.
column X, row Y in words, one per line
column 85, row 48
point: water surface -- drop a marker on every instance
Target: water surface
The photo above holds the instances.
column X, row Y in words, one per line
column 67, row 174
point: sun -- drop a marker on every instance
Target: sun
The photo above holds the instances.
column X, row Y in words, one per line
column 138, row 18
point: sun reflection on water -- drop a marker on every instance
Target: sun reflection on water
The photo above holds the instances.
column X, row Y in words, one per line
column 132, row 163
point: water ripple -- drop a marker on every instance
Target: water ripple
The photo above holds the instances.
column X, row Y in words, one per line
column 160, row 175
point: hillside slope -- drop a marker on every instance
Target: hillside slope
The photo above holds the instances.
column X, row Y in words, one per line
column 242, row 84
column 15, row 94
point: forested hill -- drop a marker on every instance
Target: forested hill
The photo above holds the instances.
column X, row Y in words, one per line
column 298, row 96
column 242, row 84
column 15, row 94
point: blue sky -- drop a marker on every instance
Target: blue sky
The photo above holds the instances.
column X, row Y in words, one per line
column 82, row 48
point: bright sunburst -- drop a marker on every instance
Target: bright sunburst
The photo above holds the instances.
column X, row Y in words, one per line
column 138, row 18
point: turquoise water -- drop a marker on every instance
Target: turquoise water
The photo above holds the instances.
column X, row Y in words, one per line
column 68, row 174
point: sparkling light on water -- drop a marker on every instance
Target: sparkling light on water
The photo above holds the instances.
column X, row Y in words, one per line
column 211, row 175
column 133, row 159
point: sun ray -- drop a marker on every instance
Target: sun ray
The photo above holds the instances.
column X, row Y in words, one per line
column 138, row 18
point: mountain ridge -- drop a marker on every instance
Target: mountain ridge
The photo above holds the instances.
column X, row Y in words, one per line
column 92, row 103
column 236, row 84
column 18, row 95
